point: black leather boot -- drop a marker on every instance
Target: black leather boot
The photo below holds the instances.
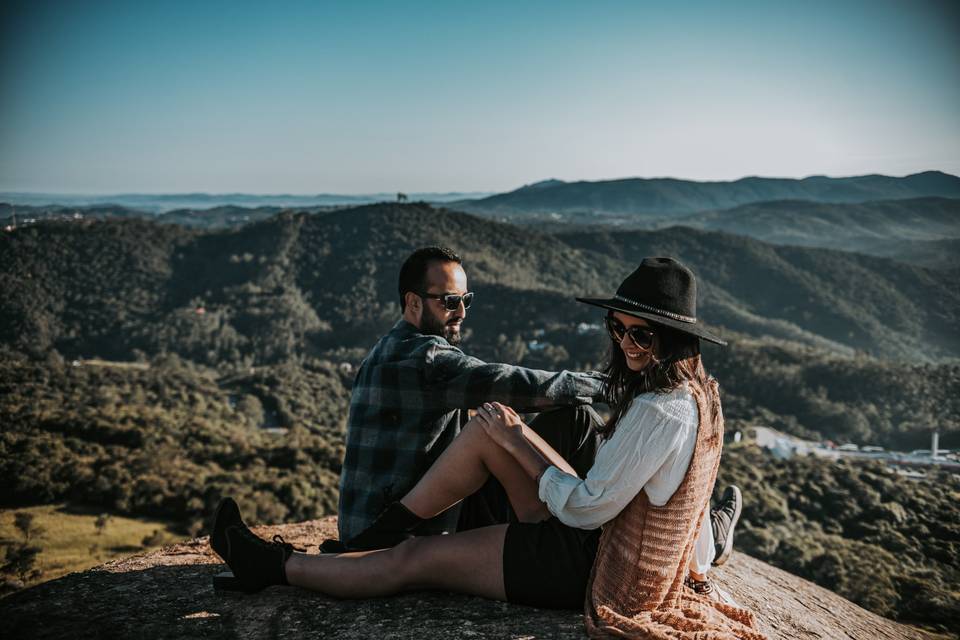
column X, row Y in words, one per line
column 391, row 527
column 255, row 562
column 226, row 515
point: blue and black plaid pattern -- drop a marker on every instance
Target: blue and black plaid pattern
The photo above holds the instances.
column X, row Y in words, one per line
column 410, row 399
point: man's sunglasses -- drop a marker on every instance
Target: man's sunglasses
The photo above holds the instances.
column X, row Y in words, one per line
column 641, row 337
column 451, row 301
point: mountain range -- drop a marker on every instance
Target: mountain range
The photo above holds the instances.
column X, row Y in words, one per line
column 638, row 198
column 918, row 230
column 329, row 278
column 658, row 198
column 917, row 220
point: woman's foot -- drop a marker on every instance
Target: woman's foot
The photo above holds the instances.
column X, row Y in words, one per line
column 255, row 562
column 702, row 587
column 226, row 515
column 723, row 519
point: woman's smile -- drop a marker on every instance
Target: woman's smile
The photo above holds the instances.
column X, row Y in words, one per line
column 637, row 359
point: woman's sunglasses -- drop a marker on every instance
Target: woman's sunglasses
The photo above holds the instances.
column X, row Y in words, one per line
column 641, row 337
column 451, row 301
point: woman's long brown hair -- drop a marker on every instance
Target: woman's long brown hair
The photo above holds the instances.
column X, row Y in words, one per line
column 678, row 360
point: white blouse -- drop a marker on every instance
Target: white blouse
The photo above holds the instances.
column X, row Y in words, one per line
column 650, row 450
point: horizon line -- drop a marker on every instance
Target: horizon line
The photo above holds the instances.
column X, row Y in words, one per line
column 448, row 191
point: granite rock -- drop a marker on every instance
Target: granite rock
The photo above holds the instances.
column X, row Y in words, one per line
column 168, row 594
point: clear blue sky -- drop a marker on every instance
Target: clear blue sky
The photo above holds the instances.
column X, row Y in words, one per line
column 359, row 97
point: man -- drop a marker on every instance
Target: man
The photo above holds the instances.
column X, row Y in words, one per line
column 412, row 394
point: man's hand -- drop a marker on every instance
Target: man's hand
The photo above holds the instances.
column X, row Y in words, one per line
column 502, row 424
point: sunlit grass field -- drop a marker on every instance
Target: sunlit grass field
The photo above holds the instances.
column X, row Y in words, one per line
column 70, row 540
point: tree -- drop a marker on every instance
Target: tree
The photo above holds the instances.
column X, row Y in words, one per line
column 26, row 525
column 251, row 407
column 20, row 560
column 101, row 522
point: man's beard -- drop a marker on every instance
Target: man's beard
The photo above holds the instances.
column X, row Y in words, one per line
column 452, row 334
column 433, row 326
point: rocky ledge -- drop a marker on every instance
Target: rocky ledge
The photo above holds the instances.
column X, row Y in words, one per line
column 168, row 594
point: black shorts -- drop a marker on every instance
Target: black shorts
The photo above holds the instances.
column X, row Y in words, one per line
column 547, row 564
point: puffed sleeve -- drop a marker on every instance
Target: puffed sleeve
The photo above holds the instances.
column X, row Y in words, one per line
column 642, row 442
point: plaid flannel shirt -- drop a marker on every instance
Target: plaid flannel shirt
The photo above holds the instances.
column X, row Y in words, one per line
column 410, row 399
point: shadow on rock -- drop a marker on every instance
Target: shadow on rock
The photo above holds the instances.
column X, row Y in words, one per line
column 179, row 602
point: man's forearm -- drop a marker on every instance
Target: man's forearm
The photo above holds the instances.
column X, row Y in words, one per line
column 524, row 389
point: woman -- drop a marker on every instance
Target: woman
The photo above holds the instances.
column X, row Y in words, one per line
column 649, row 489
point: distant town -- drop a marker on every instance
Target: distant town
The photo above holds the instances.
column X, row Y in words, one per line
column 913, row 464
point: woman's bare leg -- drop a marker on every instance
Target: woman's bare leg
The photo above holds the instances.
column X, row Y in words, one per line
column 464, row 467
column 469, row 562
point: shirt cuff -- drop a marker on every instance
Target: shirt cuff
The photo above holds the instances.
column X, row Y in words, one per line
column 544, row 481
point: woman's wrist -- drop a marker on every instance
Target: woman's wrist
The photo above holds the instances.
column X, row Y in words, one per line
column 531, row 460
column 516, row 442
column 543, row 470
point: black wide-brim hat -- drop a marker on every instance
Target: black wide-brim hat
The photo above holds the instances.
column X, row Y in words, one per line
column 663, row 291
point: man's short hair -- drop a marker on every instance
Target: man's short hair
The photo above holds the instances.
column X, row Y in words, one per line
column 413, row 273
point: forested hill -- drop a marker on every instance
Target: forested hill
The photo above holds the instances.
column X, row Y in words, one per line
column 303, row 283
column 895, row 228
column 657, row 198
column 872, row 304
column 813, row 223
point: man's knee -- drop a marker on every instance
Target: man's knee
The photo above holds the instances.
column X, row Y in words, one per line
column 586, row 416
column 579, row 421
column 571, row 431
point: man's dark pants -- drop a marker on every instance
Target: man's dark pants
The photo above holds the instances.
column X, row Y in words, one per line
column 570, row 431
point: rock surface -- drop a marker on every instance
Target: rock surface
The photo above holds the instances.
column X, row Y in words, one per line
column 168, row 594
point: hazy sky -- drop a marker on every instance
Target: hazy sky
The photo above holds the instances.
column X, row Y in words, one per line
column 358, row 97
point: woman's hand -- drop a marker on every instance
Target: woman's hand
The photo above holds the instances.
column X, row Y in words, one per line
column 502, row 424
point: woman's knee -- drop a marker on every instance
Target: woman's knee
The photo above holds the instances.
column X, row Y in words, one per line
column 475, row 435
column 469, row 562
column 473, row 429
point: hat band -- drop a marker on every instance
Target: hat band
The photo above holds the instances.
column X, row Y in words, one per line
column 659, row 312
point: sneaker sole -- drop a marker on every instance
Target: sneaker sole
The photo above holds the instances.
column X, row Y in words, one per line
column 728, row 546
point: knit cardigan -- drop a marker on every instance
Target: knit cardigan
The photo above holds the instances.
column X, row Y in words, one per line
column 636, row 586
